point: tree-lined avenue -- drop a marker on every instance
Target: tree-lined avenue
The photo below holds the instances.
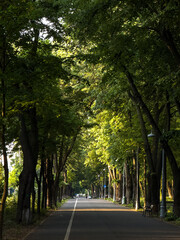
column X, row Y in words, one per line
column 82, row 84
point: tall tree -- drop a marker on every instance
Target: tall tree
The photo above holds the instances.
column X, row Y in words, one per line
column 9, row 33
column 122, row 33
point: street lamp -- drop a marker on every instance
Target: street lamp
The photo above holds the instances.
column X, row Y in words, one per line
column 163, row 202
column 151, row 134
column 137, row 180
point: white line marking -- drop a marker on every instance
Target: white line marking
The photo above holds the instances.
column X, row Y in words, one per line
column 70, row 222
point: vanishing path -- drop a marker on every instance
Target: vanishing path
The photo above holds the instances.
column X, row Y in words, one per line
column 96, row 219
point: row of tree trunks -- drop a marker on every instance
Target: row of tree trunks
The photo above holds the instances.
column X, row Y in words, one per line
column 116, row 183
column 66, row 147
column 137, row 99
column 52, row 168
column 132, row 185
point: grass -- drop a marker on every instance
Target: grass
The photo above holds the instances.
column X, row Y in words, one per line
column 170, row 217
column 14, row 231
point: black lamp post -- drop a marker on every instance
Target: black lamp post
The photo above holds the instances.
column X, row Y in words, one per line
column 104, row 186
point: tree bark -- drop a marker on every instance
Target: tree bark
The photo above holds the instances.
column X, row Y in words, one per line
column 50, row 182
column 114, row 183
column 110, row 188
column 39, row 194
column 3, row 65
column 6, row 174
column 44, row 184
column 29, row 143
column 137, row 190
column 177, row 193
column 170, row 189
column 119, row 187
column 65, row 151
column 128, row 183
column 154, row 177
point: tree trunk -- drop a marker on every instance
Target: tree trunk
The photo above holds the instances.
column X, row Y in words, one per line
column 39, row 191
column 56, row 190
column 154, row 178
column 39, row 180
column 44, row 190
column 114, row 184
column 128, row 183
column 29, row 143
column 119, row 187
column 6, row 171
column 39, row 196
column 33, row 199
column 65, row 150
column 177, row 193
column 145, row 188
column 137, row 190
column 60, row 194
column 50, row 182
column 109, row 185
column 170, row 189
column 5, row 190
column 25, row 189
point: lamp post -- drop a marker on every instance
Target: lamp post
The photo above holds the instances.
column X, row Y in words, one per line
column 104, row 183
column 163, row 202
column 137, row 180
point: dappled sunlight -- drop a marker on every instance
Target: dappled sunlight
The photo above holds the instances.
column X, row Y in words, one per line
column 96, row 210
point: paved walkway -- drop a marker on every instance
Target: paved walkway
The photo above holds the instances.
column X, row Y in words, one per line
column 90, row 219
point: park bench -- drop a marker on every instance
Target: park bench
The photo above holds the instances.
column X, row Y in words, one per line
column 147, row 210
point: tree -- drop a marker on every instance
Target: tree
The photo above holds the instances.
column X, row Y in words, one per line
column 122, row 33
column 32, row 64
column 8, row 35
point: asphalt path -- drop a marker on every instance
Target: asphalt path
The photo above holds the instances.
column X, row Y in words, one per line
column 96, row 219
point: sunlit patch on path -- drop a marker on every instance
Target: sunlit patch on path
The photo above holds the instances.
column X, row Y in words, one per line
column 96, row 210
